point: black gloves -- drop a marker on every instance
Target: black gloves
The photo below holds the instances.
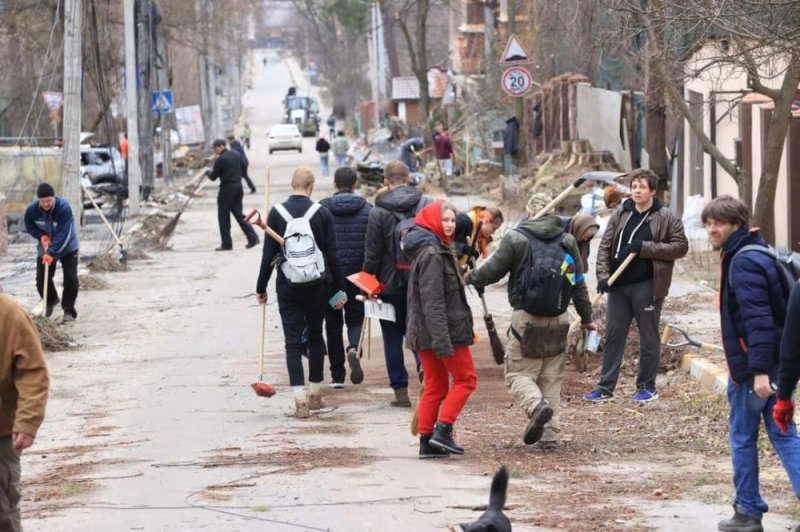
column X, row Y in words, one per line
column 473, row 253
column 602, row 286
column 636, row 247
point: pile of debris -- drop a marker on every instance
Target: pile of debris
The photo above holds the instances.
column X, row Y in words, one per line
column 53, row 338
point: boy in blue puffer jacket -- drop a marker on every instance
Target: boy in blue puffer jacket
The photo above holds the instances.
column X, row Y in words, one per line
column 752, row 312
column 49, row 220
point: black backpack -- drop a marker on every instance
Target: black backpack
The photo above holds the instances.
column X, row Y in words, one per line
column 546, row 291
column 405, row 221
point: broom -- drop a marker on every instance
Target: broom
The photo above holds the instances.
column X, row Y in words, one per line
column 263, row 389
column 498, row 350
column 166, row 231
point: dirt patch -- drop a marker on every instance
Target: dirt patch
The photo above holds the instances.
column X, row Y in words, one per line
column 107, row 263
column 91, row 282
column 53, row 337
column 611, row 455
column 294, row 460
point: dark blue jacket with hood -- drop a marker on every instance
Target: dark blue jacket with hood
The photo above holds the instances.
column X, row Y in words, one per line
column 752, row 308
column 350, row 216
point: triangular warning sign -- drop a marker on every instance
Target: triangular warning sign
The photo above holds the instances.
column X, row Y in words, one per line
column 162, row 103
column 514, row 53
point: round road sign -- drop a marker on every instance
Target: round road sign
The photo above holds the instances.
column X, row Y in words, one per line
column 517, row 81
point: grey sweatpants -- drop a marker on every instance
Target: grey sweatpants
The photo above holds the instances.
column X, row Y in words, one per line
column 624, row 304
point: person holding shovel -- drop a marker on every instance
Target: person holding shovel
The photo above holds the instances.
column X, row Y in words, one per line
column 439, row 326
column 537, row 340
column 644, row 227
column 49, row 220
column 303, row 287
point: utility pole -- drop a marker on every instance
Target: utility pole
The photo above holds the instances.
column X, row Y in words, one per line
column 70, row 166
column 164, row 119
column 144, row 52
column 488, row 42
column 518, row 109
column 131, row 110
column 373, row 64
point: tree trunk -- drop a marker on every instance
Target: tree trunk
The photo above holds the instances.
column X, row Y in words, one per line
column 764, row 212
column 387, row 13
column 422, row 58
column 656, row 110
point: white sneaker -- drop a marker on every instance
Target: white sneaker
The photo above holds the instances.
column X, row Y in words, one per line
column 336, row 385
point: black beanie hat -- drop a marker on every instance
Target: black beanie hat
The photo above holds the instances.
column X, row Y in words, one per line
column 45, row 190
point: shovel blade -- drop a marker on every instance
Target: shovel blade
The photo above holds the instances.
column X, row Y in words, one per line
column 263, row 389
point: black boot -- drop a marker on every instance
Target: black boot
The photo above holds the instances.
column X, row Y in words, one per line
column 740, row 522
column 443, row 438
column 535, row 428
column 426, row 450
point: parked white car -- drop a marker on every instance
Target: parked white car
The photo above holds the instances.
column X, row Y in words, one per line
column 285, row 137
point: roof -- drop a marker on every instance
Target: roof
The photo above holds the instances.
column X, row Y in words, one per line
column 407, row 87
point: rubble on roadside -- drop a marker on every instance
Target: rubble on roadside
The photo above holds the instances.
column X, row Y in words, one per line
column 87, row 281
column 53, row 338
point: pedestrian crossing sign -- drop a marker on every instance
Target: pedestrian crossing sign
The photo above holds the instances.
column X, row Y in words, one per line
column 161, row 102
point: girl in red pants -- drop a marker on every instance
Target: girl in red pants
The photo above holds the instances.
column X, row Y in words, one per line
column 439, row 325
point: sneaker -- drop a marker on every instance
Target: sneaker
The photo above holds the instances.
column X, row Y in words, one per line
column 68, row 318
column 48, row 311
column 336, row 385
column 356, row 373
column 598, row 396
column 645, row 395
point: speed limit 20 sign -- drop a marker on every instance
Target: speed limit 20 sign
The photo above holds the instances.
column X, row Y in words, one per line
column 517, row 81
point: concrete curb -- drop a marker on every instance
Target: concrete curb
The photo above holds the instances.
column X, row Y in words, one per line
column 711, row 376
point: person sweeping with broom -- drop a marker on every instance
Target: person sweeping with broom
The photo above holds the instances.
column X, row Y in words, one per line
column 546, row 273
column 439, row 325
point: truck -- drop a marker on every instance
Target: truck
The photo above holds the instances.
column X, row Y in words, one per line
column 302, row 111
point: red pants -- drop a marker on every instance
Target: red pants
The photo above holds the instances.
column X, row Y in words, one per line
column 437, row 391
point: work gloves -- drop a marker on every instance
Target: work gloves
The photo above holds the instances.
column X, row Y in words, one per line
column 783, row 414
column 602, row 286
column 47, row 260
column 636, row 247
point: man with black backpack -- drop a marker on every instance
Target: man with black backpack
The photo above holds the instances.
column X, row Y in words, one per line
column 545, row 275
column 752, row 305
column 308, row 273
column 393, row 215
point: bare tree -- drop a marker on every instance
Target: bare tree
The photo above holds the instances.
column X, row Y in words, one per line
column 417, row 46
column 759, row 38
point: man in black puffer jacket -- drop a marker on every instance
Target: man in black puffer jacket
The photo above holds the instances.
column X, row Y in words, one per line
column 350, row 215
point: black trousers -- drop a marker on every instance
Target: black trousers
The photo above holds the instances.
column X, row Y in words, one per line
column 69, row 265
column 229, row 201
column 249, row 182
column 353, row 315
column 303, row 308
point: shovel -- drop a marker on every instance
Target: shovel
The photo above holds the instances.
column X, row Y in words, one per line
column 263, row 389
column 611, row 280
column 558, row 199
column 687, row 340
column 123, row 253
column 44, row 288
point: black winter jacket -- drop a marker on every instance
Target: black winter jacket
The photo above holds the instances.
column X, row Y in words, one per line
column 439, row 317
column 379, row 250
column 790, row 347
column 229, row 168
column 324, row 236
column 350, row 216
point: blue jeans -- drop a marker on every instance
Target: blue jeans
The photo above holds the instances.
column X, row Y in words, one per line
column 341, row 161
column 747, row 411
column 323, row 162
column 393, row 333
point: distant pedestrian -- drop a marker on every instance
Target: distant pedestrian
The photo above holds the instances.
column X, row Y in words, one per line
column 537, row 338
column 340, row 149
column 444, row 152
column 236, row 146
column 49, row 220
column 409, row 150
column 24, row 388
column 350, row 216
column 752, row 306
column 440, row 327
column 229, row 168
column 399, row 204
column 471, row 243
column 246, row 134
column 644, row 227
column 307, row 276
column 323, row 148
column 123, row 146
column 331, row 122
